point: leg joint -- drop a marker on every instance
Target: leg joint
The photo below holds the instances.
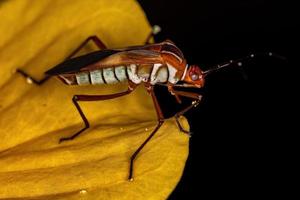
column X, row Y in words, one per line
column 87, row 124
column 160, row 121
column 75, row 98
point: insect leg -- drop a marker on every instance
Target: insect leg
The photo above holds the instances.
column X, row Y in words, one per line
column 77, row 98
column 155, row 30
column 30, row 79
column 160, row 122
column 94, row 38
column 191, row 95
column 180, row 113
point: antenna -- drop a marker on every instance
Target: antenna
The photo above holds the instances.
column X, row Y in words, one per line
column 239, row 62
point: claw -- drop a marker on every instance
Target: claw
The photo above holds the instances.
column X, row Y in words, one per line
column 188, row 133
column 64, row 139
column 181, row 128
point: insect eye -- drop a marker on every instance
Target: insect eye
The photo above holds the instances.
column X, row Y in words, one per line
column 195, row 77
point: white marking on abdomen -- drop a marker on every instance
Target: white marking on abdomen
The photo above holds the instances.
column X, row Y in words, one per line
column 132, row 73
column 172, row 74
column 162, row 75
column 82, row 78
column 109, row 76
column 153, row 77
column 120, row 72
column 96, row 77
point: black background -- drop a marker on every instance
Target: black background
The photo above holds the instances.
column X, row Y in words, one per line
column 240, row 141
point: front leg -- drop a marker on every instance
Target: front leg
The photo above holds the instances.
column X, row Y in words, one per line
column 197, row 98
column 180, row 113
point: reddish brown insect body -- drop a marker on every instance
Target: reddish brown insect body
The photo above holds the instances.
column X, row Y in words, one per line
column 155, row 63
column 161, row 63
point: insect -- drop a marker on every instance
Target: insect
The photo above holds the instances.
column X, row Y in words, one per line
column 151, row 64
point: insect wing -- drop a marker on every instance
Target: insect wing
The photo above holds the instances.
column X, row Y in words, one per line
column 127, row 58
column 107, row 58
column 75, row 64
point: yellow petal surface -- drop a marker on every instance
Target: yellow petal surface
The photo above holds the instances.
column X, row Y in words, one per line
column 36, row 35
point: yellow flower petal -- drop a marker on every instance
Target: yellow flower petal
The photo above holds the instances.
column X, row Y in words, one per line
column 40, row 34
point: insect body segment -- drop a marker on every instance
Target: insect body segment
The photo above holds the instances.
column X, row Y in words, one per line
column 153, row 74
column 96, row 77
column 155, row 63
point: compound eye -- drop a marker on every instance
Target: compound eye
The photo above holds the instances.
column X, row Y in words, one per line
column 195, row 77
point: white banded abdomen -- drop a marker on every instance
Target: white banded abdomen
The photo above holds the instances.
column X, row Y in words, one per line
column 157, row 73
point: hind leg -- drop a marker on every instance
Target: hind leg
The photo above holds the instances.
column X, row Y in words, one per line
column 31, row 80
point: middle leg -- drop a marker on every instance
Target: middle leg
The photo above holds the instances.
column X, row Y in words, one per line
column 160, row 119
column 77, row 98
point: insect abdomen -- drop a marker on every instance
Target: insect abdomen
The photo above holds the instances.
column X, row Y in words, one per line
column 110, row 75
column 135, row 73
